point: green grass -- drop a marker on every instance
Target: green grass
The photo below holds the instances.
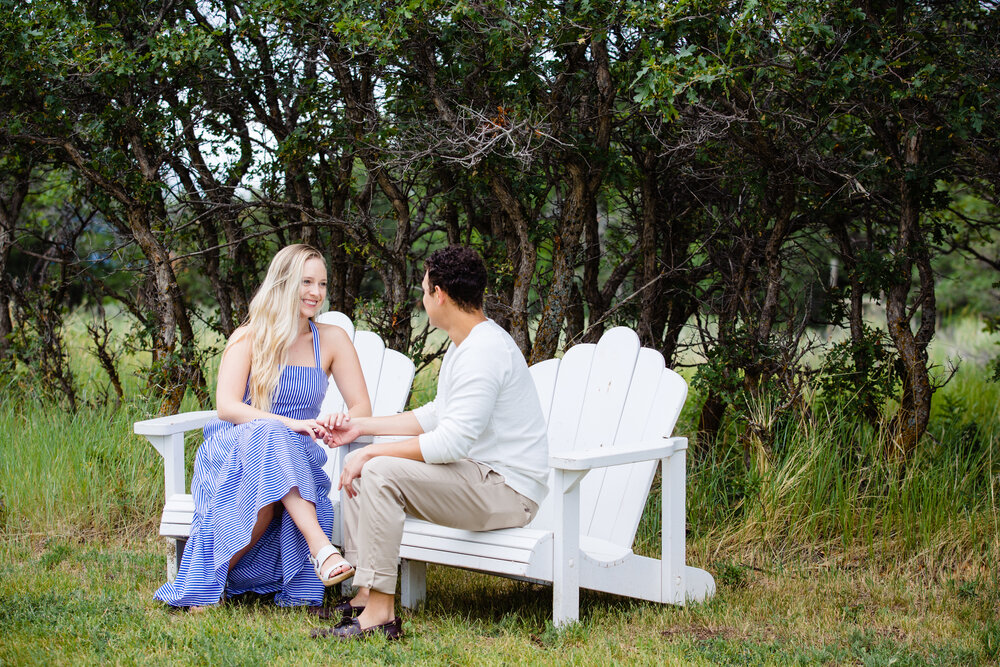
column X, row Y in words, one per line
column 71, row 601
column 822, row 551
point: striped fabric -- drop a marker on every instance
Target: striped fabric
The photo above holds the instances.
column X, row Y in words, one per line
column 238, row 470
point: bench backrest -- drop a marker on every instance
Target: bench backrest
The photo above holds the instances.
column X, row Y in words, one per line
column 388, row 376
column 614, row 393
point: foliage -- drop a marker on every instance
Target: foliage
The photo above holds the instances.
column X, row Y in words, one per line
column 658, row 165
column 860, row 374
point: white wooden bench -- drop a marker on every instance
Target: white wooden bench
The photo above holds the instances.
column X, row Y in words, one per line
column 388, row 375
column 610, row 408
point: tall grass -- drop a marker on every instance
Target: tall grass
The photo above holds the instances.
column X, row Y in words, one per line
column 823, row 488
column 75, row 474
column 820, row 489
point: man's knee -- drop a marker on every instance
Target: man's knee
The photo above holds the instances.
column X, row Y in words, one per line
column 378, row 469
column 392, row 475
column 379, row 473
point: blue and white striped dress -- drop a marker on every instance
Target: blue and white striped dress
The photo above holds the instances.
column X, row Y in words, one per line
column 239, row 469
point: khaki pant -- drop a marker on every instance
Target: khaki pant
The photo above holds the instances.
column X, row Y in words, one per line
column 463, row 494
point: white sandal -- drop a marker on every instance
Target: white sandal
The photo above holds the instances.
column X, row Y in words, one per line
column 333, row 574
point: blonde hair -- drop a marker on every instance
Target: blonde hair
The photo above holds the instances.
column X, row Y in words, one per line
column 273, row 320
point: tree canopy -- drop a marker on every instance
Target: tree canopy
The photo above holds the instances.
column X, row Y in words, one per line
column 697, row 164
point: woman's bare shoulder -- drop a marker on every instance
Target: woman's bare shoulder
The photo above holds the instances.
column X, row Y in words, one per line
column 242, row 337
column 332, row 334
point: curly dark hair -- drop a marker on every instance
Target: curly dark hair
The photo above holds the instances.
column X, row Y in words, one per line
column 460, row 272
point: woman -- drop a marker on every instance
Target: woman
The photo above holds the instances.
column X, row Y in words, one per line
column 260, row 493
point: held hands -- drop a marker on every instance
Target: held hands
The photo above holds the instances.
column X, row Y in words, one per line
column 311, row 427
column 339, row 429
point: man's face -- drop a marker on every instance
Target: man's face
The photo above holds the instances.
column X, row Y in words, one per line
column 430, row 299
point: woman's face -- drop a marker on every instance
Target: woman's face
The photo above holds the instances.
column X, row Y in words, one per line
column 312, row 291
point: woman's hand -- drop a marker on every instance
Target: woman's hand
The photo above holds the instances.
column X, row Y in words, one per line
column 334, row 420
column 310, row 427
column 340, row 430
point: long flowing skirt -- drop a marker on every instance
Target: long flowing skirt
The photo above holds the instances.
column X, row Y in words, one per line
column 240, row 469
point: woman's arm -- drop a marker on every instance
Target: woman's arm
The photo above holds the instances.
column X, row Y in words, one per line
column 234, row 371
column 346, row 370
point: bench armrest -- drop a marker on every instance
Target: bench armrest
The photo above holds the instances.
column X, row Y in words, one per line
column 166, row 434
column 601, row 458
column 172, row 424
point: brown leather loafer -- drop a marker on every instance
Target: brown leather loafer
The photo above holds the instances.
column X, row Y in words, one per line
column 341, row 610
column 324, row 613
column 345, row 610
column 351, row 629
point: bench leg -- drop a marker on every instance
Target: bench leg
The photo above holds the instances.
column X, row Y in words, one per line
column 413, row 583
column 174, row 558
column 566, row 548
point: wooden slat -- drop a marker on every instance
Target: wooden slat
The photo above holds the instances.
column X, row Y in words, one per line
column 567, row 403
column 180, row 501
column 333, row 401
column 491, row 565
column 525, row 538
column 371, row 351
column 673, row 392
column 564, row 416
column 171, row 424
column 544, row 374
column 394, row 384
column 464, row 547
column 607, row 387
column 175, row 529
column 605, row 498
column 176, row 517
column 669, row 398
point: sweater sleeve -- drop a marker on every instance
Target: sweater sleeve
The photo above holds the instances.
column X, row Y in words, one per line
column 427, row 416
column 471, row 399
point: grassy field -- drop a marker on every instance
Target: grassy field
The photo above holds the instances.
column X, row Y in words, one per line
column 822, row 553
column 73, row 601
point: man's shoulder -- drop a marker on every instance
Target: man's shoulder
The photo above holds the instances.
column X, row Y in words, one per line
column 489, row 343
column 491, row 336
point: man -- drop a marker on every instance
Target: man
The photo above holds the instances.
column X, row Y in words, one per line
column 477, row 459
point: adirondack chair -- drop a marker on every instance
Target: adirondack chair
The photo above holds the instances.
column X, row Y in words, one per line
column 610, row 409
column 388, row 375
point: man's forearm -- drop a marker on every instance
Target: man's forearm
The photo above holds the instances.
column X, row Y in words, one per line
column 404, row 449
column 402, row 424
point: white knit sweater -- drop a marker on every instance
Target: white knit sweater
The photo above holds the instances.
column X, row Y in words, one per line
column 487, row 410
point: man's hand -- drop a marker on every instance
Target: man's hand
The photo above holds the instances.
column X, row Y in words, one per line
column 352, row 470
column 340, row 430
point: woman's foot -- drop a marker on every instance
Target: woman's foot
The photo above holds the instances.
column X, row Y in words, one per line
column 330, row 566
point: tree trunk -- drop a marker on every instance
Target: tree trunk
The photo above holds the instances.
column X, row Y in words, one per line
column 178, row 373
column 523, row 254
column 10, row 208
column 563, row 246
column 910, row 421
